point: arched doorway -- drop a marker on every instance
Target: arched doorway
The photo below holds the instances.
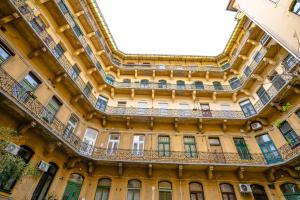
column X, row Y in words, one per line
column 290, row 191
column 73, row 187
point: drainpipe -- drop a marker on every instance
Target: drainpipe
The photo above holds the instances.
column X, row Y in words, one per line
column 153, row 192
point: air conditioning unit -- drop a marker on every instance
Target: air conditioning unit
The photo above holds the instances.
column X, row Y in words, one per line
column 256, row 126
column 43, row 166
column 245, row 188
column 12, row 148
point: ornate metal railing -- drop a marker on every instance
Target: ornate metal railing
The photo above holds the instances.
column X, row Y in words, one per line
column 29, row 104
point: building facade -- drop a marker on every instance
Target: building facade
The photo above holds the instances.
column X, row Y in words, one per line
column 114, row 126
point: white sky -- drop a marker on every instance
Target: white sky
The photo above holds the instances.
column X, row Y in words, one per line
column 179, row 27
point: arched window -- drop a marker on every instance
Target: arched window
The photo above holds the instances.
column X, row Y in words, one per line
column 110, row 79
column 180, row 84
column 103, row 188
column 259, row 192
column 165, row 190
column 290, row 191
column 144, row 83
column 196, row 191
column 7, row 181
column 227, row 191
column 199, row 85
column 134, row 189
column 44, row 184
column 73, row 187
column 162, row 84
column 217, row 85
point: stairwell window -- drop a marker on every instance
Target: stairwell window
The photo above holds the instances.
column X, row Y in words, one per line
column 217, row 85
column 234, row 83
column 296, row 7
column 5, row 53
column 289, row 134
column 247, row 108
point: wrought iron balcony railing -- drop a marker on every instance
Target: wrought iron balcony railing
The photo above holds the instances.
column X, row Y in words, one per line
column 15, row 92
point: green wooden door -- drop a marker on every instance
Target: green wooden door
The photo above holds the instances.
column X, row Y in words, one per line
column 165, row 195
column 72, row 191
column 242, row 148
column 268, row 149
column 290, row 191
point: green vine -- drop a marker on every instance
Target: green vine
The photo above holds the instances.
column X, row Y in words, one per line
column 286, row 107
column 277, row 123
column 12, row 167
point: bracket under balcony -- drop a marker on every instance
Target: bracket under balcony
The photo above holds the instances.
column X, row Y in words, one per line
column 25, row 127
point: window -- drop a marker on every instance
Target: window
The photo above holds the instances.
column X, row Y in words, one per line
column 268, row 149
column 290, row 191
column 77, row 30
column 51, row 109
column 234, row 83
column 190, row 146
column 217, row 85
column 58, row 51
column 113, row 143
column 163, row 106
column 259, row 192
column 89, row 141
column 87, row 89
column 199, row 85
column 242, row 148
column 138, row 145
column 164, row 146
column 103, row 188
column 110, row 79
column 63, row 7
column 28, row 85
column 101, row 103
column 7, row 181
column 134, row 187
column 165, row 190
column 71, row 126
column 144, row 83
column 141, row 107
column 298, row 113
column 122, row 104
column 37, row 24
column 277, row 81
column 258, row 57
column 265, row 39
column 247, row 71
column 73, row 187
column 205, row 109
column 263, row 95
column 227, row 191
column 289, row 62
column 296, row 7
column 88, row 49
column 162, row 84
column 289, row 134
column 225, row 66
column 196, row 191
column 44, row 184
column 126, row 80
column 180, row 84
column 184, row 107
column 247, row 108
column 5, row 53
column 74, row 72
column 216, row 149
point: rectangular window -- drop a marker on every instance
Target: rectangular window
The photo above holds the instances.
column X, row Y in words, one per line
column 205, row 110
column 289, row 134
column 265, row 39
column 77, row 30
column 58, row 51
column 101, row 103
column 289, row 62
column 216, row 149
column 263, row 95
column 138, row 145
column 51, row 109
column 242, row 148
column 74, row 72
column 234, row 83
column 247, row 71
column 258, row 57
column 63, row 7
column 5, row 53
column 247, row 108
column 296, row 7
column 87, row 89
column 184, row 107
column 71, row 126
column 122, row 104
column 37, row 24
column 226, row 109
column 141, row 107
column 164, row 146
column 268, row 149
column 163, row 106
column 190, row 146
column 113, row 143
column 217, row 85
column 89, row 141
column 277, row 81
column 30, row 82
